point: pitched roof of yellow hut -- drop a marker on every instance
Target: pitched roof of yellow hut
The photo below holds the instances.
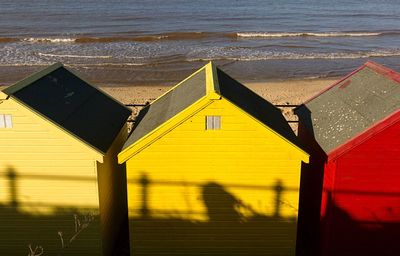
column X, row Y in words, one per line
column 193, row 94
column 72, row 104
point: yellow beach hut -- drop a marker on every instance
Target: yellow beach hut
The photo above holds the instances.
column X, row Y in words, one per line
column 212, row 169
column 62, row 191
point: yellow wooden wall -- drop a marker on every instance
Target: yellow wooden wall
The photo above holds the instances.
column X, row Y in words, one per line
column 46, row 177
column 193, row 180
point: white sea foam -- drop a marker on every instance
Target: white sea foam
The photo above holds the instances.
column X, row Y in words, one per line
column 305, row 34
column 119, row 64
column 75, row 56
column 49, row 40
column 297, row 56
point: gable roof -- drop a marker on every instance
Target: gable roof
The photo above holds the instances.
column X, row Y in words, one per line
column 208, row 83
column 352, row 105
column 72, row 104
column 169, row 105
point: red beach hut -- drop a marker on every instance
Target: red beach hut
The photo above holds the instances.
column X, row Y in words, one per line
column 352, row 130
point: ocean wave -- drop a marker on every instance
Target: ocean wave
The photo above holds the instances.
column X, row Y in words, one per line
column 150, row 38
column 307, row 34
column 75, row 56
column 84, row 40
column 48, row 40
column 181, row 36
column 298, row 56
column 138, row 38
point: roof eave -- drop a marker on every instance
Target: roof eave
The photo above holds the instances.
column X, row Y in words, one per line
column 100, row 154
column 3, row 96
column 32, row 78
column 304, row 155
column 161, row 130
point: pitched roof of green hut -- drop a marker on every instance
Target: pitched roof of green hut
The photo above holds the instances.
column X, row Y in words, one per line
column 352, row 105
column 208, row 81
column 73, row 104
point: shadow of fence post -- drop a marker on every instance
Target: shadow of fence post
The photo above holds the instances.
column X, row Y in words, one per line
column 13, row 192
column 144, row 182
column 278, row 188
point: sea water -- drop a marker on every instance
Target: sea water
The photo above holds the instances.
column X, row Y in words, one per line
column 159, row 39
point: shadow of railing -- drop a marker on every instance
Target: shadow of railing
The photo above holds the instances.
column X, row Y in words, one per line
column 65, row 230
column 145, row 183
column 226, row 232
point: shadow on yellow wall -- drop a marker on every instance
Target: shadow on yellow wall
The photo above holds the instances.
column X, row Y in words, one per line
column 227, row 232
column 66, row 231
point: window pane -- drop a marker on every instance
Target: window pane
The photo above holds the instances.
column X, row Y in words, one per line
column 213, row 122
column 217, row 122
column 2, row 122
column 8, row 121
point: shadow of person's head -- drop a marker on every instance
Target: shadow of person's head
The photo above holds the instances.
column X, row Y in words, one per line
column 221, row 205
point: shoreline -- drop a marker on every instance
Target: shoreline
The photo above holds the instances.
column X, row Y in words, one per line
column 167, row 74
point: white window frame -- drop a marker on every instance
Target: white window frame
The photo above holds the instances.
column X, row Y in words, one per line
column 213, row 122
column 6, row 121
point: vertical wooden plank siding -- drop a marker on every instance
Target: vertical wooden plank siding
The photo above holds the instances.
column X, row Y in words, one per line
column 193, row 175
column 46, row 177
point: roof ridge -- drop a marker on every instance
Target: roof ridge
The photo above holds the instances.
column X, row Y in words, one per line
column 32, row 78
column 385, row 71
column 178, row 84
column 335, row 84
column 212, row 83
column 248, row 89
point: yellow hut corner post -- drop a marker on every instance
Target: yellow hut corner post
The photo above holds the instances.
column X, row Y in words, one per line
column 61, row 188
column 214, row 169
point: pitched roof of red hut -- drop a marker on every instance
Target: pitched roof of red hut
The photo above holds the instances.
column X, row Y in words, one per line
column 354, row 105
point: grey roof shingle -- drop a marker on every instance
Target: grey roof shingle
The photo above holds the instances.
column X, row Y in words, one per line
column 168, row 106
column 353, row 105
column 73, row 104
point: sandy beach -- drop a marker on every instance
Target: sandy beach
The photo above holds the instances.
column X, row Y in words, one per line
column 292, row 92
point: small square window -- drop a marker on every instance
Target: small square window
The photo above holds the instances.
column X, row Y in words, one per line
column 6, row 121
column 213, row 122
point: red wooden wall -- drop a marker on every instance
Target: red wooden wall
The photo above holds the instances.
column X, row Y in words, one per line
column 361, row 198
